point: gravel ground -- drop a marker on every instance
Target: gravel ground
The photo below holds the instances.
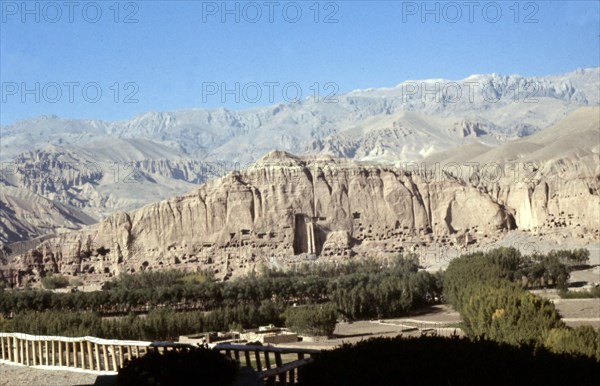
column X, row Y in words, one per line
column 11, row 375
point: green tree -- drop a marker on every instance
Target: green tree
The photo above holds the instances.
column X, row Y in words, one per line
column 506, row 313
column 55, row 281
column 318, row 319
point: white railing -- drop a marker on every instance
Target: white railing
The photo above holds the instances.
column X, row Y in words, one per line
column 274, row 365
column 87, row 354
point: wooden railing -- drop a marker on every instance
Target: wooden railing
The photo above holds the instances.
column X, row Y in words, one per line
column 88, row 354
column 274, row 365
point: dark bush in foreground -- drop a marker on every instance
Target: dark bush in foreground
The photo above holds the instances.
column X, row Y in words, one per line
column 195, row 367
column 445, row 361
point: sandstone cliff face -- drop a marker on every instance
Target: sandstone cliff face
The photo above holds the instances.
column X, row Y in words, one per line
column 287, row 209
column 553, row 205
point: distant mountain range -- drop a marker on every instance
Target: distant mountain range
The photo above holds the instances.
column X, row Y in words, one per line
column 60, row 174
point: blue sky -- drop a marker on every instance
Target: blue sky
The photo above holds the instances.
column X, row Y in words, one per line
column 164, row 56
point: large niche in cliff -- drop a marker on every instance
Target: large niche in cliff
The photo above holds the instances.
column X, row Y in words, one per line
column 309, row 237
column 300, row 234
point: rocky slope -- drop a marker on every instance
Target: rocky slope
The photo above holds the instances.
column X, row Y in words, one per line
column 93, row 180
column 550, row 180
column 286, row 209
column 27, row 215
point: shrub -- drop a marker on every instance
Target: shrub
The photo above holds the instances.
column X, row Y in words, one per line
column 581, row 340
column 312, row 319
column 194, row 367
column 507, row 313
column 588, row 294
column 445, row 361
column 55, row 281
column 5, row 324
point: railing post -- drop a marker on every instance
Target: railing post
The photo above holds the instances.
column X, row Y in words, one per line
column 60, row 353
column 97, row 353
column 15, row 349
column 26, row 352
column 10, row 349
column 46, row 353
column 82, row 349
column 120, row 356
column 34, row 351
column 105, row 352
column 68, row 353
column 21, row 353
column 90, row 355
column 292, row 380
column 129, row 352
column 257, row 358
column 53, row 354
column 114, row 357
column 75, row 354
column 279, row 363
column 2, row 346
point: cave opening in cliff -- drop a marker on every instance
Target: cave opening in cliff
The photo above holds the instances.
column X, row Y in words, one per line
column 308, row 236
column 300, row 234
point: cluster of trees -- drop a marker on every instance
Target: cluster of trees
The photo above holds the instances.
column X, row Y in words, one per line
column 315, row 320
column 538, row 270
column 508, row 264
column 365, row 289
column 55, row 281
column 571, row 257
column 160, row 324
column 486, row 289
column 482, row 288
column 380, row 290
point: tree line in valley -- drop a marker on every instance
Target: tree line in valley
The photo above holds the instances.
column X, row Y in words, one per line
column 490, row 290
column 360, row 289
column 307, row 299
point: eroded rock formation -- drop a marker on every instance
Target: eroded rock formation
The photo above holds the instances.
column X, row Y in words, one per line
column 287, row 209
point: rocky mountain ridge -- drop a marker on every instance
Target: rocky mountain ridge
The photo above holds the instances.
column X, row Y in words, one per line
column 287, row 209
column 98, row 168
column 533, row 103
